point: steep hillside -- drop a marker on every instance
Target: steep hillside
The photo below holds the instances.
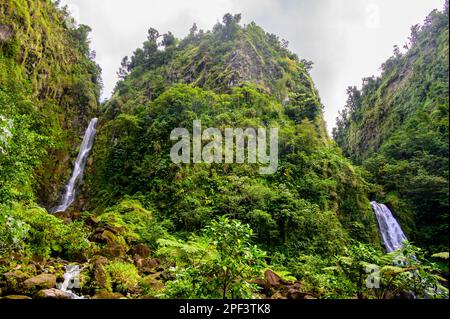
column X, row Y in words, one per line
column 235, row 77
column 144, row 226
column 397, row 128
column 49, row 89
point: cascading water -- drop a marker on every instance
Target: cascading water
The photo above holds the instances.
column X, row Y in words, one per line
column 71, row 280
column 77, row 174
column 391, row 232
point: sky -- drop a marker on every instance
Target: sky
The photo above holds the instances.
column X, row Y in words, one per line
column 346, row 39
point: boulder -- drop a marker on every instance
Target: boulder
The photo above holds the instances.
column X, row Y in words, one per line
column 52, row 293
column 11, row 281
column 147, row 265
column 42, row 281
column 98, row 271
column 115, row 247
column 271, row 278
column 141, row 250
column 16, row 297
column 113, row 250
column 154, row 282
column 92, row 221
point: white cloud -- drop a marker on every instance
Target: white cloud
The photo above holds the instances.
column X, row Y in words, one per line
column 346, row 39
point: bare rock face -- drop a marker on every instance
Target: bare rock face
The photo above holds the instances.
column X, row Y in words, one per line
column 52, row 293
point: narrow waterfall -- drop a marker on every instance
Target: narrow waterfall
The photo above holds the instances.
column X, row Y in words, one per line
column 71, row 280
column 77, row 174
column 391, row 232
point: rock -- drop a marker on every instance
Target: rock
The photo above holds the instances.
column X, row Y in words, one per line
column 6, row 32
column 103, row 294
column 272, row 279
column 52, row 293
column 141, row 250
column 11, row 281
column 92, row 221
column 278, row 295
column 108, row 236
column 147, row 265
column 115, row 245
column 99, row 272
column 16, row 297
column 42, row 281
column 293, row 293
column 259, row 282
column 113, row 250
column 154, row 282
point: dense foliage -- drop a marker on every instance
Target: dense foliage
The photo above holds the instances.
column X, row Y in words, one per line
column 49, row 88
column 145, row 227
column 396, row 126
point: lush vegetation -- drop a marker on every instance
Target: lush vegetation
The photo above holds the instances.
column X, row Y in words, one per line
column 144, row 227
column 396, row 126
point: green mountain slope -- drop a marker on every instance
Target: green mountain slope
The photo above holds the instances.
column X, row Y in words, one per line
column 145, row 227
column 49, row 89
column 397, row 128
column 237, row 77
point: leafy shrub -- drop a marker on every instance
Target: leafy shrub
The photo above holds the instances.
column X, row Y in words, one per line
column 124, row 277
column 219, row 264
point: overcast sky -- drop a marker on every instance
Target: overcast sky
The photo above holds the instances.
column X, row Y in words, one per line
column 346, row 39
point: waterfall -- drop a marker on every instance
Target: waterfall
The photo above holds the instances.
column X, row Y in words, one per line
column 71, row 280
column 391, row 232
column 77, row 174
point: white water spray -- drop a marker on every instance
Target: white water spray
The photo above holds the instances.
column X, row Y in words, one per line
column 391, row 232
column 71, row 280
column 77, row 174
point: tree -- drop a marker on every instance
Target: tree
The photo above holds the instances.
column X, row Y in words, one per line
column 231, row 23
column 153, row 35
column 168, row 39
column 124, row 68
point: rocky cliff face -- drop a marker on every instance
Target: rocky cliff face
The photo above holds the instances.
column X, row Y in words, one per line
column 397, row 127
column 45, row 64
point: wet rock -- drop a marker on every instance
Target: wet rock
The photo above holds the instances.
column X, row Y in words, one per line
column 52, row 293
column 42, row 281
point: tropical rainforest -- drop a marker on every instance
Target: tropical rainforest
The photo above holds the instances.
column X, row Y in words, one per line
column 142, row 226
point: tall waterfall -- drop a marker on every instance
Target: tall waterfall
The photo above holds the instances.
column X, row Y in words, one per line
column 391, row 232
column 77, row 174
